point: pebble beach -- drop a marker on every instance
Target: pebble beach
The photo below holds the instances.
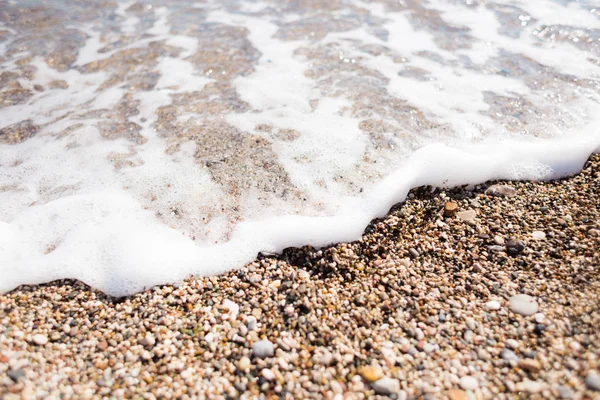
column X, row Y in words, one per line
column 484, row 292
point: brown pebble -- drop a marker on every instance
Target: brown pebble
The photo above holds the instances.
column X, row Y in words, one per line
column 457, row 394
column 530, row 365
column 450, row 208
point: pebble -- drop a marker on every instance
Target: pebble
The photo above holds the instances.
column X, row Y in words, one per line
column 147, row 340
column 530, row 365
column 514, row 247
column 450, row 208
column 40, row 339
column 467, row 215
column 531, row 386
column 564, row 392
column 263, row 348
column 457, row 394
column 592, row 381
column 371, row 373
column 492, row 305
column 501, row 191
column 251, row 323
column 232, row 308
column 469, row 383
column 523, row 304
column 244, row 363
column 268, row 374
column 386, row 386
column 512, row 344
column 538, row 235
column 508, row 355
column 15, row 374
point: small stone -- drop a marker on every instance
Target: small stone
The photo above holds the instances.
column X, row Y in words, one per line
column 450, row 209
column 469, row 383
column 244, row 363
column 493, row 305
column 263, row 348
column 539, row 318
column 564, row 392
column 413, row 252
column 592, row 381
column 467, row 215
column 499, row 240
column 530, row 365
column 104, row 382
column 232, row 308
column 386, row 386
column 268, row 374
column 501, row 191
column 523, row 304
column 15, row 374
column 336, row 387
column 512, row 343
column 326, row 359
column 531, row 386
column 147, row 340
column 514, row 247
column 457, row 394
column 371, row 373
column 251, row 323
column 538, row 235
column 508, row 355
column 40, row 339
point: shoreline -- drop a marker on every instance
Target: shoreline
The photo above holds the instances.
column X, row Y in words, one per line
column 418, row 307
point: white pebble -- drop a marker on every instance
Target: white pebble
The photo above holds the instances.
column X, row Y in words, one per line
column 40, row 339
column 232, row 308
column 493, row 305
column 268, row 374
column 539, row 318
column 469, row 383
column 523, row 304
column 244, row 363
column 538, row 235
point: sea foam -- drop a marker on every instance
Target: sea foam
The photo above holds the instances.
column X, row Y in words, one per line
column 183, row 140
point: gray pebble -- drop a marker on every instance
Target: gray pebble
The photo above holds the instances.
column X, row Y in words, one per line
column 263, row 348
column 508, row 355
column 15, row 374
column 592, row 381
column 564, row 392
column 386, row 386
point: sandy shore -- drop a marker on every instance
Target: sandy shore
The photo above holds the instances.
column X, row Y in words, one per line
column 423, row 306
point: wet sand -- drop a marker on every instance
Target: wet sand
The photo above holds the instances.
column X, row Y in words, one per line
column 422, row 306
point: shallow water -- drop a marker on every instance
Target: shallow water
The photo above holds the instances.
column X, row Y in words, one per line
column 141, row 142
